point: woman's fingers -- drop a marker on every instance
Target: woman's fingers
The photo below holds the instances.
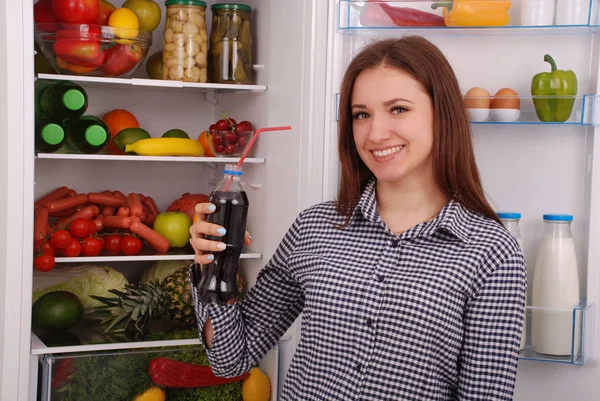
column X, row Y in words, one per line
column 247, row 239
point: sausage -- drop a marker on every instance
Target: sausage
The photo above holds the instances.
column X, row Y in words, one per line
column 122, row 222
column 108, row 211
column 58, row 193
column 123, row 211
column 59, row 205
column 135, row 205
column 99, row 225
column 64, row 213
column 154, row 239
column 105, row 199
column 87, row 213
column 120, row 195
column 40, row 224
column 149, row 202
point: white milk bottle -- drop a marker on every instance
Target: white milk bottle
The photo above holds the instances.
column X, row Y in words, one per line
column 555, row 290
column 511, row 222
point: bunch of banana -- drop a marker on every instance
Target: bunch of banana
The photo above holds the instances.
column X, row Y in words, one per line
column 166, row 147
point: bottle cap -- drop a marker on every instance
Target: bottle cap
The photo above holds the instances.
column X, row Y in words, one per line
column 95, row 135
column 232, row 169
column 73, row 99
column 558, row 217
column 52, row 134
column 509, row 215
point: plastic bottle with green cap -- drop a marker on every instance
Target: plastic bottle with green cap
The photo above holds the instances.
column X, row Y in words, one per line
column 64, row 100
column 88, row 134
column 49, row 135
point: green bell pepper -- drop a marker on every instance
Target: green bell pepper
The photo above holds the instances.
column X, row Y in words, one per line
column 557, row 90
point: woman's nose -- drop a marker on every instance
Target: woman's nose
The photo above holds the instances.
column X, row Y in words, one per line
column 380, row 129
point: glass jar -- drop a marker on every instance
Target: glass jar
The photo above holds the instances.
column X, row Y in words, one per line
column 231, row 44
column 185, row 41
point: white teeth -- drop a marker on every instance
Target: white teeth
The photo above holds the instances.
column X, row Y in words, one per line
column 388, row 152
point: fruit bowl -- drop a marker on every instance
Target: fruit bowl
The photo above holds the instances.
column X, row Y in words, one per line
column 93, row 50
column 231, row 143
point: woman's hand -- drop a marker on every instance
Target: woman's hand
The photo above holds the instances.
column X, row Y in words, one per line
column 204, row 247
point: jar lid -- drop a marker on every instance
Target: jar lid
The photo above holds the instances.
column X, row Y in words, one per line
column 53, row 134
column 558, row 217
column 231, row 6
column 185, row 3
column 73, row 99
column 509, row 215
column 95, row 135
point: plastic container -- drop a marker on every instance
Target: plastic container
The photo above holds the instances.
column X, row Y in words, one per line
column 555, row 290
column 219, row 278
column 511, row 222
column 50, row 135
column 229, row 143
column 88, row 134
column 185, row 41
column 537, row 12
column 572, row 12
column 231, row 44
column 61, row 100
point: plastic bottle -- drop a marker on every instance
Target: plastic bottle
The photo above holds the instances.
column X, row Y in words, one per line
column 219, row 278
column 511, row 222
column 63, row 100
column 537, row 12
column 49, row 135
column 555, row 290
column 572, row 12
column 88, row 134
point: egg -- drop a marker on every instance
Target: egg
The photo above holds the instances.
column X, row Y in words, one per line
column 506, row 98
column 477, row 98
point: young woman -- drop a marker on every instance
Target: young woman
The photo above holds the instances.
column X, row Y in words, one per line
column 410, row 287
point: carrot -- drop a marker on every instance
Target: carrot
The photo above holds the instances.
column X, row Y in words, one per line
column 58, row 193
column 120, row 195
column 116, row 221
column 40, row 224
column 105, row 199
column 135, row 205
column 149, row 202
column 59, row 205
column 154, row 239
column 123, row 211
column 86, row 213
column 108, row 211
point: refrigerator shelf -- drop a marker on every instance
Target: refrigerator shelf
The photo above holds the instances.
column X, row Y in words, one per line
column 129, row 158
column 155, row 84
column 103, row 258
column 355, row 18
column 581, row 332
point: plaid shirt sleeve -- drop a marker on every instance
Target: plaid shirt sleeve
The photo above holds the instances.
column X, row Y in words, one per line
column 488, row 362
column 244, row 333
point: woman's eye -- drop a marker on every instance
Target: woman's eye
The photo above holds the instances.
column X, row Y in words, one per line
column 360, row 116
column 398, row 110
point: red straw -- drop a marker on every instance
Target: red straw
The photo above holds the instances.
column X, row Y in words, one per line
column 249, row 147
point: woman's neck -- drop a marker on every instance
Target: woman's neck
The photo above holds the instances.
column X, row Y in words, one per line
column 405, row 204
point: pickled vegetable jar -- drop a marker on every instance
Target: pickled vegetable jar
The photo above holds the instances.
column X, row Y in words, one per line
column 185, row 41
column 231, row 44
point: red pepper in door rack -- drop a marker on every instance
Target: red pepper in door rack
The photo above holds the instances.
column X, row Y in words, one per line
column 170, row 373
column 377, row 13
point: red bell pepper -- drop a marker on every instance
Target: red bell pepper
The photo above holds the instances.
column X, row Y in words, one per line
column 77, row 69
column 121, row 59
column 377, row 13
column 169, row 373
column 81, row 48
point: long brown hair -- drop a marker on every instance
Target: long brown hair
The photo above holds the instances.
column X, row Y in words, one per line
column 454, row 167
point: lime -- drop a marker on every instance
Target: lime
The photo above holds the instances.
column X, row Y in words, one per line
column 176, row 133
column 56, row 311
column 128, row 136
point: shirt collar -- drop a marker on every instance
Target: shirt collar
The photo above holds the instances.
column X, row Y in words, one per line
column 454, row 218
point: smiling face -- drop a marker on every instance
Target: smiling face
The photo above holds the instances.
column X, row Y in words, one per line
column 393, row 125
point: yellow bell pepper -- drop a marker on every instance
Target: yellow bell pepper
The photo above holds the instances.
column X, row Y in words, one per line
column 475, row 12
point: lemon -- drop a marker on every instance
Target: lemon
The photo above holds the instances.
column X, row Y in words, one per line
column 125, row 23
column 256, row 387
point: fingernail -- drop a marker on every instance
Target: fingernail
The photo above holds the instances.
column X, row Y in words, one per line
column 210, row 257
column 221, row 246
column 250, row 237
column 221, row 231
column 212, row 208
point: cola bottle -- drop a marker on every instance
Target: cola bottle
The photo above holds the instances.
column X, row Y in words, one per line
column 219, row 278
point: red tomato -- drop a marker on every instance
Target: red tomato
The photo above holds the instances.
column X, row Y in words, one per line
column 244, row 126
column 222, row 125
column 93, row 228
column 47, row 247
column 112, row 243
column 79, row 227
column 92, row 246
column 60, row 239
column 44, row 262
column 76, row 11
column 73, row 250
column 131, row 245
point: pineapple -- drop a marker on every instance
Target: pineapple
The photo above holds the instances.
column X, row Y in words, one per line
column 151, row 301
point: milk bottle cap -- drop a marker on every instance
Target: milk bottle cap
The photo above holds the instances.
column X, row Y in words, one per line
column 558, row 217
column 509, row 215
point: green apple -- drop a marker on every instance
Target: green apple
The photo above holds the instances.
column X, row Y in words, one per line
column 174, row 226
column 147, row 11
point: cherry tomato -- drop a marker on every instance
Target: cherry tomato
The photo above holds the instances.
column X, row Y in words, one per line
column 92, row 246
column 131, row 245
column 44, row 262
column 112, row 243
column 222, row 125
column 79, row 228
column 60, row 239
column 93, row 228
column 230, row 137
column 73, row 250
column 244, row 126
column 47, row 247
column 230, row 149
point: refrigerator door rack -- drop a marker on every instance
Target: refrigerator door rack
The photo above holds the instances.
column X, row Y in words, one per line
column 133, row 158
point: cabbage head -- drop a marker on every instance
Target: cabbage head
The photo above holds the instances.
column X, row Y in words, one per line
column 163, row 268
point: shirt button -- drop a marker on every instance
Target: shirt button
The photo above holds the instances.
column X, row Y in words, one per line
column 369, row 322
column 358, row 367
column 380, row 278
column 395, row 243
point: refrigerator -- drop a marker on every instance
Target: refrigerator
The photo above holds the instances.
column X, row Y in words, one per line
column 300, row 51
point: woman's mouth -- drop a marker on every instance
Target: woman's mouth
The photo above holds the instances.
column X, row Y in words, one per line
column 386, row 153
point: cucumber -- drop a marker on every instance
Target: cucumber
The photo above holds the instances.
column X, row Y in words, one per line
column 128, row 136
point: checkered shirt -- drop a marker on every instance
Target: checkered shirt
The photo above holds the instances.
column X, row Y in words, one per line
column 435, row 313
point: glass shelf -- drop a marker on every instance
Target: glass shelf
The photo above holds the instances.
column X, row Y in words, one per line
column 132, row 158
column 575, row 343
column 372, row 17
